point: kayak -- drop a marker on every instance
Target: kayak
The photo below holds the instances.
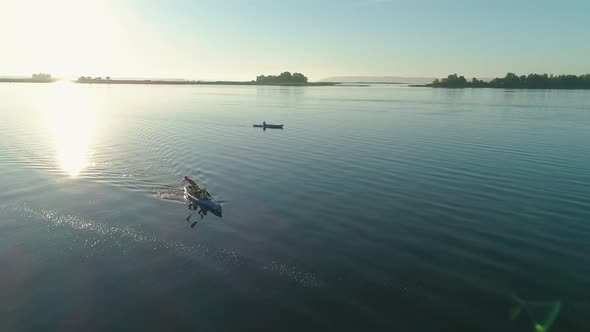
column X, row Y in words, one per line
column 271, row 126
column 210, row 204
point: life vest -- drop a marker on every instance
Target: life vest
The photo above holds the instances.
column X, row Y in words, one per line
column 194, row 190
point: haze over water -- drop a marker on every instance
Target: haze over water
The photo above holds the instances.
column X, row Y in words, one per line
column 376, row 208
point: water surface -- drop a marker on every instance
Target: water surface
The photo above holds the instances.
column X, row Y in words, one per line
column 376, row 208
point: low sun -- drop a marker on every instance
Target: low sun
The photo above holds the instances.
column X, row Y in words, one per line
column 64, row 37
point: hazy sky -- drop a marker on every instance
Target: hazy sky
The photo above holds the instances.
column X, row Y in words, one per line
column 240, row 39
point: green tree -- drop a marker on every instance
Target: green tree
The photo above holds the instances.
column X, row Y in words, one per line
column 283, row 78
column 299, row 78
column 513, row 81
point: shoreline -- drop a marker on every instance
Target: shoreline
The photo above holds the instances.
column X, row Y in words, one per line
column 491, row 87
column 26, row 80
column 310, row 84
column 162, row 82
column 512, row 81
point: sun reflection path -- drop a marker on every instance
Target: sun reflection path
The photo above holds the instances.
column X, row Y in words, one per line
column 72, row 123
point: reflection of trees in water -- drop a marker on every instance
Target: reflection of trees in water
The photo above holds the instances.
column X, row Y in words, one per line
column 281, row 96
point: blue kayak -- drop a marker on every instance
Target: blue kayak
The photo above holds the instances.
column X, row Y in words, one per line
column 210, row 204
column 271, row 126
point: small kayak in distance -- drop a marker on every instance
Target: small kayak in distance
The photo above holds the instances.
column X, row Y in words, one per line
column 210, row 204
column 271, row 126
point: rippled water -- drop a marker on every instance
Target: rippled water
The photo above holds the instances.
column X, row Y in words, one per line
column 376, row 208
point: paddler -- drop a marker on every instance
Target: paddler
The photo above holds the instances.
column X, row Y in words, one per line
column 192, row 187
column 204, row 194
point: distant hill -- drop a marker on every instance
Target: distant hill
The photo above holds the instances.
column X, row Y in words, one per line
column 379, row 79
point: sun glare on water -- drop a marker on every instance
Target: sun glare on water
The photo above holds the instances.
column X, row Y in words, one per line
column 72, row 121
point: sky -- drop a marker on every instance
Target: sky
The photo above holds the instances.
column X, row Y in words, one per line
column 239, row 39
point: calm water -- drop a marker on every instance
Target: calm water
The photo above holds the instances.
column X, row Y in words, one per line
column 380, row 208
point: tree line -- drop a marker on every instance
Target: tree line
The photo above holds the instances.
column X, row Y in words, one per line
column 91, row 79
column 41, row 77
column 285, row 77
column 513, row 81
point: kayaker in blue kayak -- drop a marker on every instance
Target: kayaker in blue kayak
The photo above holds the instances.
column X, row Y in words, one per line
column 200, row 200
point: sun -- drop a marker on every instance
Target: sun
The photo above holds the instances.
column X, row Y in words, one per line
column 64, row 37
